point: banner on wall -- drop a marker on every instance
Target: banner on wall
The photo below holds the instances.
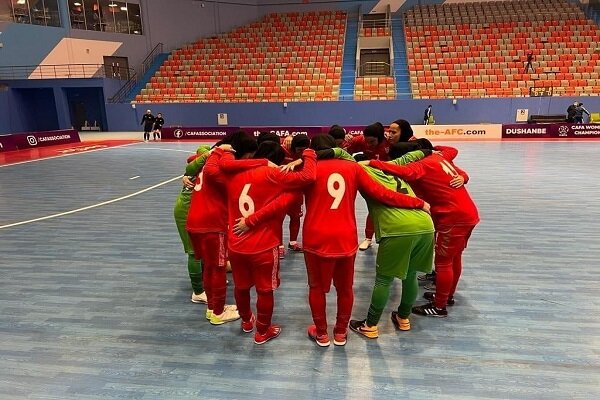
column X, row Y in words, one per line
column 432, row 132
column 541, row 131
column 458, row 132
column 47, row 138
column 196, row 133
column 7, row 143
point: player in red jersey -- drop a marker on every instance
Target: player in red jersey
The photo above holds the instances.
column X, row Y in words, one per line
column 207, row 226
column 254, row 256
column 293, row 152
column 330, row 242
column 453, row 212
column 374, row 146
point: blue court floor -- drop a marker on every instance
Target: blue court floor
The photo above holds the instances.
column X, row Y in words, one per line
column 94, row 303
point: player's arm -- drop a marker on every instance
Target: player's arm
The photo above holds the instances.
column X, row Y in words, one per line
column 326, row 154
column 274, row 209
column 449, row 153
column 410, row 172
column 195, row 166
column 410, row 157
column 335, row 152
column 374, row 190
column 297, row 179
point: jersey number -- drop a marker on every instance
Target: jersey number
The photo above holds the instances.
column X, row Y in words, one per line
column 198, row 186
column 448, row 168
column 336, row 186
column 245, row 202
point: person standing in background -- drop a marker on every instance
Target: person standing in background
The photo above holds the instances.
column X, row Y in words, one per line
column 529, row 62
column 571, row 111
column 579, row 111
column 158, row 124
column 148, row 122
column 428, row 117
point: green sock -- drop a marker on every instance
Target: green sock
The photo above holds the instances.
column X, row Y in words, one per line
column 379, row 298
column 410, row 290
column 195, row 271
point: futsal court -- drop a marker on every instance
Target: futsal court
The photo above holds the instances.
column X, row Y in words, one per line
column 95, row 300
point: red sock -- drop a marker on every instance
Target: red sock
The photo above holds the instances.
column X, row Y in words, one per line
column 242, row 299
column 294, row 227
column 369, row 227
column 264, row 310
column 317, row 302
column 343, row 278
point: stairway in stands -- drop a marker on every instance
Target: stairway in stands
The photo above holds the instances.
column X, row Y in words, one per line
column 349, row 60
column 400, row 61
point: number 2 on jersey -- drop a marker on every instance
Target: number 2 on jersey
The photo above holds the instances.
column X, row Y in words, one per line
column 245, row 202
column 337, row 193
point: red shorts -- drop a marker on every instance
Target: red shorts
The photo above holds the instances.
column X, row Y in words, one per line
column 260, row 270
column 212, row 247
column 451, row 240
column 323, row 270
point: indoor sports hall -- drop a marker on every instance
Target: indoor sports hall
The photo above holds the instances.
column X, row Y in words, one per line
column 95, row 292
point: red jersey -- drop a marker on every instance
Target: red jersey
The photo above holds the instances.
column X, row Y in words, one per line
column 208, row 207
column 330, row 222
column 251, row 190
column 358, row 144
column 430, row 179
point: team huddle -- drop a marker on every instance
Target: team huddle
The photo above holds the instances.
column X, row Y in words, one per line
column 237, row 193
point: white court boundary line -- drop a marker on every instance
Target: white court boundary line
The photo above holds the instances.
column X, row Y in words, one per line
column 67, row 155
column 92, row 206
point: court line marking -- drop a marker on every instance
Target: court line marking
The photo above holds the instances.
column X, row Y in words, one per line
column 67, row 155
column 134, row 177
column 164, row 149
column 92, row 206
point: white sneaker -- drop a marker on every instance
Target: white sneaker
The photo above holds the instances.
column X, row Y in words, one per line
column 365, row 244
column 199, row 298
column 230, row 313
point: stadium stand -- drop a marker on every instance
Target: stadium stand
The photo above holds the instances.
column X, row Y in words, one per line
column 480, row 49
column 283, row 57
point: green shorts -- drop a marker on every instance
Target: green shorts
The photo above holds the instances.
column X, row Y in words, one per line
column 399, row 254
column 180, row 212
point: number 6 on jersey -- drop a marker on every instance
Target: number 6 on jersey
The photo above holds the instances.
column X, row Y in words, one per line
column 245, row 202
column 336, row 186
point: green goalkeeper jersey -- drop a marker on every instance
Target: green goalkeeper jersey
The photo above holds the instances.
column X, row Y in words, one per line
column 391, row 221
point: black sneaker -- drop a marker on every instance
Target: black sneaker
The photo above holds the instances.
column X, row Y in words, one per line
column 429, row 310
column 427, row 277
column 431, row 297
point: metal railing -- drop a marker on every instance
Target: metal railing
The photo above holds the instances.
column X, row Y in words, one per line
column 62, row 71
column 375, row 68
column 133, row 79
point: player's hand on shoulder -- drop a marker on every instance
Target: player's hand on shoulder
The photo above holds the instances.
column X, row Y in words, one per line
column 287, row 142
column 291, row 166
column 227, row 147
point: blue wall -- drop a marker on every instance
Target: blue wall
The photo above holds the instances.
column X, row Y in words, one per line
column 25, row 44
column 15, row 107
column 121, row 117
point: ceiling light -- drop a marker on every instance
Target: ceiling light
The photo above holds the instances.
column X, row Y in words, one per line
column 113, row 5
column 77, row 4
column 124, row 8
